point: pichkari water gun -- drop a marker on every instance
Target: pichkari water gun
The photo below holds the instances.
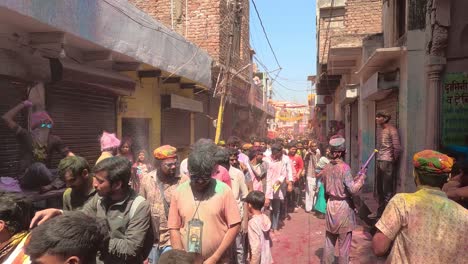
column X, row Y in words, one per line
column 364, row 167
column 276, row 187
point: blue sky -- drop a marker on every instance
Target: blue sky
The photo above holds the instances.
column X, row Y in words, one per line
column 290, row 26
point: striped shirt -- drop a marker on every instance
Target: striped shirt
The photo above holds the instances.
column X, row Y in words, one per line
column 389, row 144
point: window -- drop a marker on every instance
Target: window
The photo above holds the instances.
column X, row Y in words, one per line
column 400, row 9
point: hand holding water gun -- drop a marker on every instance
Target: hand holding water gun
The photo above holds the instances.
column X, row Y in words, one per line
column 363, row 169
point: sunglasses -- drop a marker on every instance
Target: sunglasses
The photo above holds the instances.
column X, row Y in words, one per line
column 170, row 165
column 195, row 177
column 46, row 125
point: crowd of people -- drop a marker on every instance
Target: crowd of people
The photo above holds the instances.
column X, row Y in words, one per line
column 227, row 202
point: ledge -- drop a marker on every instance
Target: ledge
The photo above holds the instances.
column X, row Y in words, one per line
column 378, row 60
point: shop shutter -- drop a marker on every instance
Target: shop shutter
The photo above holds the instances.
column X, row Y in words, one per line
column 11, row 93
column 203, row 123
column 390, row 105
column 80, row 115
column 175, row 128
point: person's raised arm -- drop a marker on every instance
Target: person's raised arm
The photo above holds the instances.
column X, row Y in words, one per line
column 9, row 117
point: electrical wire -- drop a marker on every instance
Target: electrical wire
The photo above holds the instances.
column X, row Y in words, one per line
column 264, row 32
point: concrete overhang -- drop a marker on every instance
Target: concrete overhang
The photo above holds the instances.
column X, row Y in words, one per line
column 341, row 60
column 372, row 91
column 327, row 84
column 379, row 60
column 131, row 35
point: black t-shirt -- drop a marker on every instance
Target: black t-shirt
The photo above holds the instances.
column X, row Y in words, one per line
column 31, row 151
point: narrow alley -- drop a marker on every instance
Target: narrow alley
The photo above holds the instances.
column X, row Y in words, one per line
column 302, row 239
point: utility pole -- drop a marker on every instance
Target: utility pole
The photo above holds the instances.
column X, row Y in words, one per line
column 226, row 80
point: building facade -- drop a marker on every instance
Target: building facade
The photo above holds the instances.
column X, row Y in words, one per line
column 413, row 67
column 221, row 28
column 84, row 62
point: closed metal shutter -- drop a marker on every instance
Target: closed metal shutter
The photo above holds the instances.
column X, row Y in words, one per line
column 175, row 128
column 80, row 115
column 203, row 123
column 11, row 93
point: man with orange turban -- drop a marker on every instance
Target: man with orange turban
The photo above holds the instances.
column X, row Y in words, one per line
column 425, row 226
column 157, row 187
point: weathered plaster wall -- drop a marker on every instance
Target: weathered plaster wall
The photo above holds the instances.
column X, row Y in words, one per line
column 413, row 105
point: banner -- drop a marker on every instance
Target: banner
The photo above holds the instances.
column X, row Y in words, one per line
column 454, row 109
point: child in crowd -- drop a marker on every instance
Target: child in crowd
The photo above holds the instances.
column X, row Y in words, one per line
column 139, row 168
column 259, row 229
column 321, row 203
column 125, row 149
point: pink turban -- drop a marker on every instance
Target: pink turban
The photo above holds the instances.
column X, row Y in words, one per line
column 37, row 118
column 109, row 141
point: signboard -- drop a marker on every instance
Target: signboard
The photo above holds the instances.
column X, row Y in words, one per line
column 454, row 109
column 179, row 102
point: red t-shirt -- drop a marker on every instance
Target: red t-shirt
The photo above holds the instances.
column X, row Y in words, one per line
column 297, row 164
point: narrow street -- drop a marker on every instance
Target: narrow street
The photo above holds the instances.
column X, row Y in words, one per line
column 302, row 239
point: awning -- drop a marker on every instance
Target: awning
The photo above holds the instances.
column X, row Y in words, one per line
column 117, row 26
column 380, row 59
column 173, row 101
column 65, row 71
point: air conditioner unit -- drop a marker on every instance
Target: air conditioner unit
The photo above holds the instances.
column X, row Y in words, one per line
column 388, row 80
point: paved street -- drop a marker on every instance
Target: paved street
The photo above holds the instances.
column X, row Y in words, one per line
column 302, row 239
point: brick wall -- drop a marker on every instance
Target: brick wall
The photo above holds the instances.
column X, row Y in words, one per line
column 208, row 24
column 328, row 28
column 358, row 17
column 363, row 16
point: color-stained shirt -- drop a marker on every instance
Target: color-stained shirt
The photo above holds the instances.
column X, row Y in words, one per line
column 259, row 239
column 426, row 227
column 259, row 169
column 31, row 151
column 104, row 155
column 238, row 187
column 151, row 191
column 278, row 170
column 73, row 200
column 218, row 212
column 310, row 162
column 389, row 144
column 339, row 184
column 221, row 174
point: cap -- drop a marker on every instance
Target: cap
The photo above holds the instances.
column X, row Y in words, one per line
column 337, row 143
column 383, row 113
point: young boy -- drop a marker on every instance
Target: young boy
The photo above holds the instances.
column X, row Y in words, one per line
column 259, row 229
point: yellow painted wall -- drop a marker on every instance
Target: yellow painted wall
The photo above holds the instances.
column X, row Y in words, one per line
column 145, row 102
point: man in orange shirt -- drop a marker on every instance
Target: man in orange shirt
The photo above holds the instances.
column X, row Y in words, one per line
column 203, row 216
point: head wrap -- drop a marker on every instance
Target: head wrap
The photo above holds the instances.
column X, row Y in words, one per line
column 165, row 152
column 39, row 117
column 247, row 146
column 109, row 141
column 432, row 162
